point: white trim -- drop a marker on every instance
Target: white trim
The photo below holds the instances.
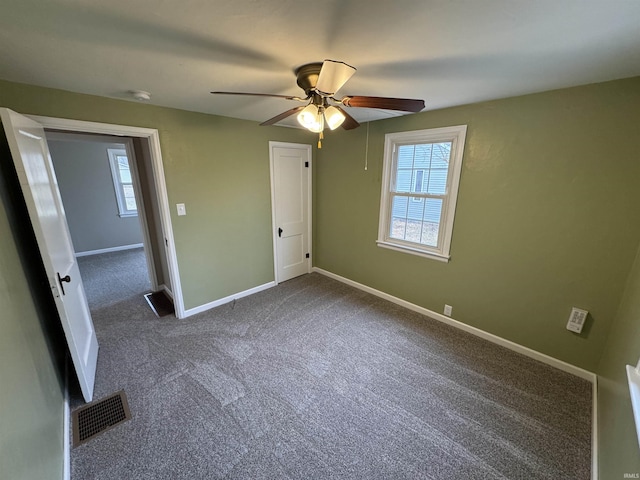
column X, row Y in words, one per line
column 142, row 213
column 415, row 251
column 554, row 362
column 230, row 298
column 153, row 137
column 594, row 429
column 93, row 127
column 274, row 225
column 633, row 377
column 118, row 185
column 166, row 290
column 110, row 249
column 66, row 424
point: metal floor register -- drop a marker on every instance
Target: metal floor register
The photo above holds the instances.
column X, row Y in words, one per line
column 97, row 417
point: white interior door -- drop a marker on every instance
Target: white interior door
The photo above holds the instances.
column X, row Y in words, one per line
column 291, row 204
column 37, row 178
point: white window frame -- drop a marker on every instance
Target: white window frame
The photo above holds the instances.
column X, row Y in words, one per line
column 114, row 153
column 456, row 135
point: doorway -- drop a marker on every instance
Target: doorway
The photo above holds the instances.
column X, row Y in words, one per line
column 291, row 208
column 100, row 187
column 143, row 145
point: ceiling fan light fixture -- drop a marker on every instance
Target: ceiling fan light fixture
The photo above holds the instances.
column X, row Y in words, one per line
column 334, row 117
column 311, row 118
column 333, row 76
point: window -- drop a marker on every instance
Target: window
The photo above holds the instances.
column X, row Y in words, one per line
column 419, row 190
column 122, row 182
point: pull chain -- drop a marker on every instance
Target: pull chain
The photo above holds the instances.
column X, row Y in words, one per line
column 320, row 138
column 366, row 150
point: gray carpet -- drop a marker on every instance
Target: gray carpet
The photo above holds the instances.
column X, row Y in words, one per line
column 110, row 278
column 316, row 380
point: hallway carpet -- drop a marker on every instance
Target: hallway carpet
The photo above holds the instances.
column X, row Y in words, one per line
column 109, row 278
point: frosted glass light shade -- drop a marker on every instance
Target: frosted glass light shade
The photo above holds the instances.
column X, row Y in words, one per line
column 311, row 118
column 333, row 75
column 334, row 117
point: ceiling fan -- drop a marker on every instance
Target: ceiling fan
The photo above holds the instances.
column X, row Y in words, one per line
column 320, row 82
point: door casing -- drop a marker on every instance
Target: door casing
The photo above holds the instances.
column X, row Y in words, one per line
column 306, row 148
column 152, row 136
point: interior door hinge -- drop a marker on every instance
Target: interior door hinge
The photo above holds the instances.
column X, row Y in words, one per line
column 306, row 164
column 307, row 255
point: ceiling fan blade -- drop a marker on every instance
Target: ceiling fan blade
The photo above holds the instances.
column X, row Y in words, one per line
column 282, row 116
column 288, row 97
column 403, row 104
column 349, row 122
column 333, row 75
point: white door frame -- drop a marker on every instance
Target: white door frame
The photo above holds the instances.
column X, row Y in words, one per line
column 274, row 226
column 142, row 214
column 158, row 175
column 133, row 160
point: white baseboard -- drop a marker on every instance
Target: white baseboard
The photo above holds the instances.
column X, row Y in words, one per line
column 594, row 430
column 166, row 290
column 541, row 357
column 554, row 362
column 66, row 424
column 230, row 298
column 110, row 249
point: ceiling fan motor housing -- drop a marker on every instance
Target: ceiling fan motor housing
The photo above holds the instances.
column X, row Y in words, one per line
column 307, row 76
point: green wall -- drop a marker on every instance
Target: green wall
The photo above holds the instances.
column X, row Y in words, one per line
column 31, row 396
column 547, row 219
column 618, row 442
column 546, row 216
column 217, row 166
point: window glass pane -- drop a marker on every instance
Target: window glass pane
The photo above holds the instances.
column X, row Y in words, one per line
column 123, row 168
column 404, row 180
column 418, row 180
column 437, row 182
column 405, row 156
column 441, row 155
column 431, row 221
column 422, row 156
column 398, row 217
column 406, row 219
column 416, row 220
column 129, row 197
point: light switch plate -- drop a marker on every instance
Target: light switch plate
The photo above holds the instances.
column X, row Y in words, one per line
column 182, row 210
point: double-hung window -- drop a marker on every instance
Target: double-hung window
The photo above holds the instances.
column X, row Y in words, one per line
column 419, row 190
column 122, row 182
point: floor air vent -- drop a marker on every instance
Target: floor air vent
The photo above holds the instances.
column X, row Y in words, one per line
column 160, row 303
column 97, row 417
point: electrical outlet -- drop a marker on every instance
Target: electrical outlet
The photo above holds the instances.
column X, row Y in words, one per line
column 447, row 310
column 576, row 320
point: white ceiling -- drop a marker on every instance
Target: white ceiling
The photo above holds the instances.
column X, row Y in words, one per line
column 446, row 52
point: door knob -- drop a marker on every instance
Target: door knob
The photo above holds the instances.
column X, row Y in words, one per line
column 63, row 279
column 279, row 232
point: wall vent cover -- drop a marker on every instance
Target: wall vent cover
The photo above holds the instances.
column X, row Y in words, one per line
column 97, row 417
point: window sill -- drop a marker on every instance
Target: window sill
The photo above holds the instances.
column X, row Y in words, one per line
column 634, row 389
column 125, row 215
column 414, row 251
